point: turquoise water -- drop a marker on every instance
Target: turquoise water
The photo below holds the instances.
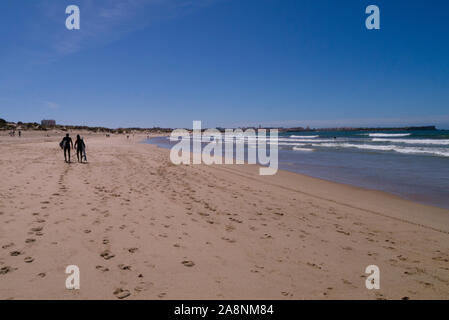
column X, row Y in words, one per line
column 411, row 164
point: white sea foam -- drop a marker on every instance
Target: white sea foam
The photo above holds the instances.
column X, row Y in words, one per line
column 307, row 144
column 290, row 140
column 415, row 141
column 302, row 149
column 282, row 144
column 389, row 134
column 443, row 152
column 358, row 146
column 305, row 137
column 305, row 140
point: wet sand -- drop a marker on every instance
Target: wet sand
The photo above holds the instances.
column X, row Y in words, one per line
column 139, row 227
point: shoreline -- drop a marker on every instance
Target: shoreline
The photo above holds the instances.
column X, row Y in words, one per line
column 137, row 225
column 440, row 216
column 410, row 198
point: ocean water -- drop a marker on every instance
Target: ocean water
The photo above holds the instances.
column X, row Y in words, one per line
column 410, row 164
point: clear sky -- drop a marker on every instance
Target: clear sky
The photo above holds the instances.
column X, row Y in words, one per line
column 226, row 62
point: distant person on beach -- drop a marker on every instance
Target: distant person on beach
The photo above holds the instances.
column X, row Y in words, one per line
column 65, row 145
column 80, row 148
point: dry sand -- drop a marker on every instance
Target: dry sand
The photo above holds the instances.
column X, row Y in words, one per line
column 141, row 228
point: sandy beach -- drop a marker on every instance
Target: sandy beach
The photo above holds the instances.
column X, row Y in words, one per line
column 139, row 227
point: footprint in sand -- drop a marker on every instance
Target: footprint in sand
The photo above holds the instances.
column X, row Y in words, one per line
column 188, row 263
column 101, row 268
column 132, row 250
column 235, row 220
column 42, row 274
column 286, row 294
column 228, row 239
column 344, row 232
column 442, row 259
column 313, row 265
column 6, row 269
column 15, row 253
column 9, row 245
column 123, row 267
column 107, row 255
column 349, row 283
column 122, row 293
column 28, row 259
column 138, row 289
column 426, row 284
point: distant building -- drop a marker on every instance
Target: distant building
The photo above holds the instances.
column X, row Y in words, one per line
column 48, row 123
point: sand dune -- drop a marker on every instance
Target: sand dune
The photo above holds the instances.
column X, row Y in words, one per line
column 139, row 227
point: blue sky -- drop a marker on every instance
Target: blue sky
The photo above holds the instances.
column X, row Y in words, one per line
column 226, row 62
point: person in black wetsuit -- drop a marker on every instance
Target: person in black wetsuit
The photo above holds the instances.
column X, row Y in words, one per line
column 79, row 146
column 65, row 144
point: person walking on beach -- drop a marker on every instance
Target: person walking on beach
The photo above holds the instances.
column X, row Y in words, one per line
column 80, row 147
column 65, row 145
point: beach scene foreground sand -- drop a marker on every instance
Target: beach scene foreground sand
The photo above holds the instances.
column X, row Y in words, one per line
column 139, row 227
